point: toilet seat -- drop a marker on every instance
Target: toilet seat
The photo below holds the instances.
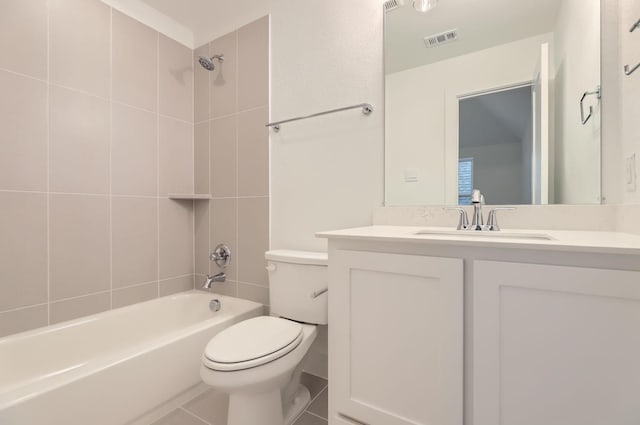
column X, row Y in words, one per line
column 252, row 343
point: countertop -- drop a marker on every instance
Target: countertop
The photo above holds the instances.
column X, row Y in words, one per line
column 561, row 240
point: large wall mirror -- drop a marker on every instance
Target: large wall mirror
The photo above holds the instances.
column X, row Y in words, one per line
column 499, row 95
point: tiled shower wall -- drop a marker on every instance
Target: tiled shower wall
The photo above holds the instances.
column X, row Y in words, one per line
column 232, row 160
column 96, row 128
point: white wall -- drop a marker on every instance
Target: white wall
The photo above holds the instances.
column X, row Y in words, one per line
column 415, row 126
column 576, row 52
column 612, row 183
column 630, row 88
column 327, row 172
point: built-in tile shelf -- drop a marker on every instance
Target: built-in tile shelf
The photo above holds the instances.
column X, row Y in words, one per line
column 190, row 196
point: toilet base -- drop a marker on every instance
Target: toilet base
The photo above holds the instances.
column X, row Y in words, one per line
column 266, row 408
column 300, row 401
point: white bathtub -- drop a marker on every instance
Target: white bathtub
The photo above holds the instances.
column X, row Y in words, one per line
column 111, row 368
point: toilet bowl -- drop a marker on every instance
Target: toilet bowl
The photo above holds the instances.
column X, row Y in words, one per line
column 258, row 362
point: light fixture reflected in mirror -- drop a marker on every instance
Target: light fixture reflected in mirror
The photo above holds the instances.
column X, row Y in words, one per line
column 424, row 5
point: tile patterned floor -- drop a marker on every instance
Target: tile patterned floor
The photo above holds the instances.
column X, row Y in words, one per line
column 210, row 408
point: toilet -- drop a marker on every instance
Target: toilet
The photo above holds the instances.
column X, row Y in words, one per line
column 258, row 362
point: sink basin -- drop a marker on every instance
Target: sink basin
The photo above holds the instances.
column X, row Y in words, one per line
column 486, row 234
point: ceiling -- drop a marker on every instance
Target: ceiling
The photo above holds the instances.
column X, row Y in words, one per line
column 208, row 19
column 480, row 23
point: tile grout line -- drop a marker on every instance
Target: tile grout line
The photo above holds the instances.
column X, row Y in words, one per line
column 174, row 277
column 104, row 195
column 135, row 285
column 31, row 77
column 219, row 117
column 157, row 115
column 269, row 158
column 97, row 293
column 95, row 96
column 193, row 414
column 110, row 158
column 48, row 159
column 317, row 416
column 237, row 125
column 193, row 162
column 11, row 310
column 80, row 296
column 319, row 392
column 209, row 154
column 241, row 197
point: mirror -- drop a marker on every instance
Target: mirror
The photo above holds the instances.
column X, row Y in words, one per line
column 499, row 95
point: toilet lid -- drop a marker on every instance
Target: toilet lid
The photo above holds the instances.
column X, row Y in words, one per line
column 252, row 343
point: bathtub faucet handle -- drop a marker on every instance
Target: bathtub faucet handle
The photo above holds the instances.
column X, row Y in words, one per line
column 221, row 256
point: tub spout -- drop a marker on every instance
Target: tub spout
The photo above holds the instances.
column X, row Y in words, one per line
column 210, row 280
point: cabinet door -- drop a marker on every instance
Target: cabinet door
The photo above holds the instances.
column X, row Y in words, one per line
column 396, row 339
column 555, row 345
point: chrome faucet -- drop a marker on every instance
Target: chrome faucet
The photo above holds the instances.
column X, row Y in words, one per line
column 209, row 280
column 477, row 199
column 492, row 221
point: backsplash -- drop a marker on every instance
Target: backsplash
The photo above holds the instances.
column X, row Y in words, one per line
column 232, row 160
column 96, row 128
column 627, row 218
column 603, row 218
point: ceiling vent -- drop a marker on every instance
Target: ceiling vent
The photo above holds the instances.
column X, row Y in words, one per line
column 390, row 5
column 442, row 38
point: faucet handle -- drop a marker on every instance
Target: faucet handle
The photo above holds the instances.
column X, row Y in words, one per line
column 463, row 224
column 492, row 221
column 221, row 256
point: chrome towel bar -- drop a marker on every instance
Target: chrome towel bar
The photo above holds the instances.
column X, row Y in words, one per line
column 628, row 70
column 598, row 94
column 366, row 109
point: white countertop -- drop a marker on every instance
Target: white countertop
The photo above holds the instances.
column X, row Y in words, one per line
column 562, row 240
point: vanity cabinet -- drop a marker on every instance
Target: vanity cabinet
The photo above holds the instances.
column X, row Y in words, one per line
column 432, row 330
column 555, row 345
column 396, row 339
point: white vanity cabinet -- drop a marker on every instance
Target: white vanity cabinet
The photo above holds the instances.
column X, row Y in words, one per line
column 555, row 345
column 427, row 329
column 396, row 339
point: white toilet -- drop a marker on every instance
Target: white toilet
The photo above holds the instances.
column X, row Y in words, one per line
column 258, row 362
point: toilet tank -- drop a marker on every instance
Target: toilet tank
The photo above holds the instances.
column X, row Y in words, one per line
column 297, row 285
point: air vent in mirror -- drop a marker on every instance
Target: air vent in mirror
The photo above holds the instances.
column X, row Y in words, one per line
column 442, row 38
column 392, row 5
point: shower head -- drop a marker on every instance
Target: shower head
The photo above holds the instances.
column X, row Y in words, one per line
column 208, row 63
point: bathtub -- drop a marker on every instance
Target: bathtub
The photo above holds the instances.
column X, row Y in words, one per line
column 112, row 367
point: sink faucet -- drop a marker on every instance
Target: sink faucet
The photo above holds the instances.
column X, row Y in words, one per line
column 208, row 283
column 477, row 199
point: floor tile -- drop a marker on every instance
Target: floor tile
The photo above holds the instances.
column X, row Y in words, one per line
column 314, row 384
column 320, row 406
column 308, row 419
column 210, row 406
column 180, row 417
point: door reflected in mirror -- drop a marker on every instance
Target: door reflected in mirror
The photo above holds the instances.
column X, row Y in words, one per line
column 495, row 137
column 499, row 95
